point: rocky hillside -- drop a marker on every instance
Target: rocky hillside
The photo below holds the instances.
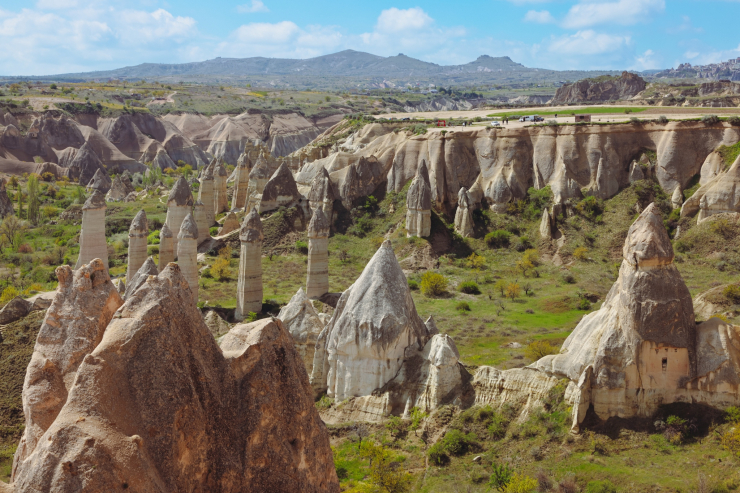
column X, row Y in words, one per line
column 605, row 88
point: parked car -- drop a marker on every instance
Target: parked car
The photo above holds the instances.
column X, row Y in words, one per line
column 495, row 124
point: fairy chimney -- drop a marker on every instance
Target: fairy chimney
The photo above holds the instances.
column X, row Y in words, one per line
column 179, row 205
column 249, row 286
column 317, row 282
column 419, row 204
column 92, row 234
column 166, row 247
column 220, row 200
column 205, row 193
column 137, row 239
column 187, row 253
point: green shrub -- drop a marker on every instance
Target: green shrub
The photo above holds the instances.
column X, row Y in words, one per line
column 604, row 486
column 584, row 304
column 213, row 231
column 732, row 414
column 469, row 287
column 498, row 239
column 455, row 442
column 538, row 349
column 463, row 306
column 437, row 454
column 501, row 477
column 433, row 284
column 732, row 293
column 590, row 207
column 682, row 246
column 522, row 244
column 324, row 403
column 413, row 285
column 301, row 247
column 710, row 119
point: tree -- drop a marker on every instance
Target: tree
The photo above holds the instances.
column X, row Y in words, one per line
column 19, row 194
column 500, row 286
column 475, row 261
column 220, row 269
column 12, row 232
column 433, row 284
column 537, row 349
column 33, row 199
column 385, row 470
column 501, row 477
column 513, row 291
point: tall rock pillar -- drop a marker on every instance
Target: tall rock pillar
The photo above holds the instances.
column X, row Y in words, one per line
column 199, row 212
column 92, row 234
column 187, row 253
column 322, row 194
column 241, row 184
column 464, row 214
column 166, row 247
column 249, row 287
column 179, row 205
column 220, row 200
column 137, row 239
column 317, row 282
column 205, row 193
column 419, row 204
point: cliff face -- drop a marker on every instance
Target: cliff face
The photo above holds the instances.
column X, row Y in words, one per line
column 601, row 89
column 498, row 166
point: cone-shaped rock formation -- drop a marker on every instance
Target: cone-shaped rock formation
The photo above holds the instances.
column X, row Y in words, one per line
column 419, row 204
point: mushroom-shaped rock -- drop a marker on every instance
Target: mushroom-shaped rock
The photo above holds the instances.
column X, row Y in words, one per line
column 187, row 252
column 73, row 326
column 641, row 343
column 241, row 182
column 166, row 247
column 137, row 241
column 100, row 181
column 92, row 233
column 179, row 204
column 363, row 346
column 206, row 192
column 249, row 285
column 317, row 282
column 322, row 193
column 135, row 281
column 199, row 213
column 247, row 406
column 464, row 214
column 304, row 324
column 419, row 204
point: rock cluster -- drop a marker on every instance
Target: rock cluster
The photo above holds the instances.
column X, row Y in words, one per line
column 149, row 402
column 120, row 188
column 92, row 233
column 419, row 204
column 249, row 284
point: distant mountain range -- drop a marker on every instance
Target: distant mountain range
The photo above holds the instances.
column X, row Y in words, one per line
column 347, row 68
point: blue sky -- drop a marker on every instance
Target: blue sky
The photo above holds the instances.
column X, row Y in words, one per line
column 56, row 36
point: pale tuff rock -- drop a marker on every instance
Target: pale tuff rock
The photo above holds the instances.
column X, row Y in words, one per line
column 431, row 326
column 179, row 205
column 166, row 247
column 92, row 234
column 677, row 198
column 636, row 173
column 546, row 225
column 280, row 190
column 375, row 321
column 241, row 182
column 137, row 241
column 216, row 325
column 359, row 180
column 220, row 199
column 231, row 223
column 322, row 193
column 464, row 214
column 74, row 324
column 241, row 404
column 317, row 282
column 206, row 193
column 419, row 204
column 259, row 175
column 249, row 286
column 607, row 180
column 6, row 206
column 163, row 160
column 713, row 165
column 120, row 188
column 717, row 196
column 187, row 253
column 199, row 212
column 100, row 181
column 135, row 281
column 304, row 324
column 85, row 164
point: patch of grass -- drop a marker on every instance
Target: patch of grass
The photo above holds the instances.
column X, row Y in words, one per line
column 729, row 153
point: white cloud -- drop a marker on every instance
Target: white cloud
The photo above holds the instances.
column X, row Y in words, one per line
column 539, row 17
column 588, row 42
column 624, row 12
column 264, row 32
column 691, row 54
column 254, row 7
column 646, row 61
column 395, row 20
column 56, row 4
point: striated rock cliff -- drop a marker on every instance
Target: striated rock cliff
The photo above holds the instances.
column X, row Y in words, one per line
column 604, row 88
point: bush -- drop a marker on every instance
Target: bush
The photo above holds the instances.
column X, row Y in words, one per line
column 710, row 119
column 682, row 246
column 521, row 484
column 580, row 253
column 590, row 207
column 475, row 261
column 463, row 306
column 513, row 291
column 522, row 244
column 413, row 285
column 455, row 442
column 734, row 120
column 732, row 293
column 662, row 119
column 604, row 486
column 433, row 284
column 437, row 455
column 213, row 231
column 8, row 294
column 220, row 269
column 731, row 441
column 498, row 239
column 568, row 278
column 501, row 477
column 301, row 247
column 469, row 287
column 537, row 349
column 584, row 304
column 732, row 414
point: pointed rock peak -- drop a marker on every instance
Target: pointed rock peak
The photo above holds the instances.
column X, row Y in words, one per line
column 319, row 222
column 282, row 173
column 140, row 223
column 95, row 201
column 647, row 243
column 220, row 170
column 299, row 296
column 321, row 188
column 442, row 351
column 431, row 326
column 462, row 198
column 188, row 229
column 419, row 196
column 423, row 172
column 244, row 161
column 208, row 172
column 180, row 193
column 148, row 268
column 99, row 180
column 261, row 168
column 251, row 229
column 165, row 232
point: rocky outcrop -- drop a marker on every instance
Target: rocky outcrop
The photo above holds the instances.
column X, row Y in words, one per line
column 166, row 247
column 179, row 205
column 546, row 226
column 163, row 161
column 464, row 214
column 138, row 278
column 717, row 196
column 100, row 181
column 304, row 324
column 15, row 309
column 604, row 88
column 241, row 183
column 187, row 253
column 246, row 407
column 231, row 223
column 317, row 280
column 321, row 193
column 120, row 188
column 419, row 204
column 6, row 206
column 74, row 325
column 279, row 191
column 220, row 199
column 92, row 233
column 85, row 164
column 359, row 180
column 216, row 325
column 375, row 322
column 137, row 241
column 249, row 284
